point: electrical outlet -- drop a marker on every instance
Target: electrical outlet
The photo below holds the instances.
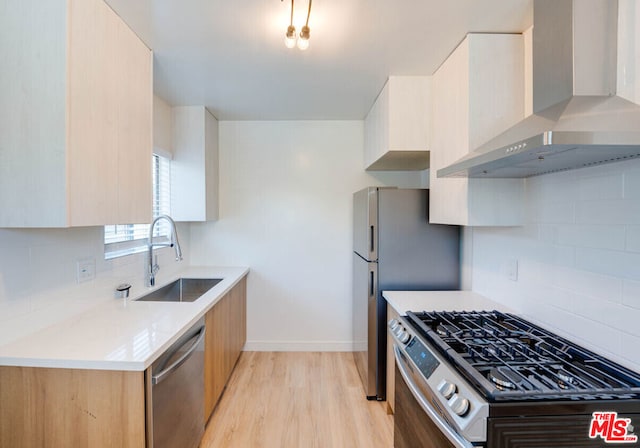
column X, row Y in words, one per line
column 512, row 270
column 85, row 270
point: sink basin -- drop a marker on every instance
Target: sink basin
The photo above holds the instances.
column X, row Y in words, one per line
column 182, row 290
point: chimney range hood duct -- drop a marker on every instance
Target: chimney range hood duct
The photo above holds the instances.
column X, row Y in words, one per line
column 577, row 121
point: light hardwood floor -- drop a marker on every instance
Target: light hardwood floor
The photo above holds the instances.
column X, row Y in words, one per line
column 296, row 399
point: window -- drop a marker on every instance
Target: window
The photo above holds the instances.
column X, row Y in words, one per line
column 125, row 239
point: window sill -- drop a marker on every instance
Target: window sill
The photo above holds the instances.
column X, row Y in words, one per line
column 125, row 248
column 117, row 253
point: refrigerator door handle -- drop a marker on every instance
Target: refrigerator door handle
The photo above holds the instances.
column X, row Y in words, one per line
column 372, row 284
column 371, row 239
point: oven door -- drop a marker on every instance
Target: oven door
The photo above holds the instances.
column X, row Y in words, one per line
column 417, row 424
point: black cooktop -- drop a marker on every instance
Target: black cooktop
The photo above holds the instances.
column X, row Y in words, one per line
column 508, row 358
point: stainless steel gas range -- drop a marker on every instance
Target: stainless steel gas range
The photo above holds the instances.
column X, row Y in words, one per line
column 494, row 380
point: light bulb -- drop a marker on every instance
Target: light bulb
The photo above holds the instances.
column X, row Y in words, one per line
column 290, row 37
column 303, row 40
column 303, row 44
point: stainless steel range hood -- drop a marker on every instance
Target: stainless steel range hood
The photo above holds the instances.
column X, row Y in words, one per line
column 577, row 121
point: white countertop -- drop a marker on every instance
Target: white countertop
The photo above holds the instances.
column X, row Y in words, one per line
column 117, row 334
column 403, row 301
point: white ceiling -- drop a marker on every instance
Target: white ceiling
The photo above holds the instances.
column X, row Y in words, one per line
column 230, row 55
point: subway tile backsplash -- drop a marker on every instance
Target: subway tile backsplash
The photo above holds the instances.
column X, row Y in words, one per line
column 38, row 271
column 578, row 258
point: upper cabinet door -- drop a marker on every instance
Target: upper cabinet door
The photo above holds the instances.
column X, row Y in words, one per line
column 397, row 126
column 135, row 128
column 628, row 82
column 79, row 88
column 477, row 93
column 194, row 168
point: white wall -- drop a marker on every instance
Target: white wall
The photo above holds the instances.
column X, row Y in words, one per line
column 578, row 258
column 285, row 211
column 38, row 271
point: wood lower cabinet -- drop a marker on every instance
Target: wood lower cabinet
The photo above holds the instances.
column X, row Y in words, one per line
column 71, row 408
column 224, row 340
column 67, row 408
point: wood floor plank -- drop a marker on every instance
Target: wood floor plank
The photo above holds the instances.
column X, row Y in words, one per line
column 297, row 399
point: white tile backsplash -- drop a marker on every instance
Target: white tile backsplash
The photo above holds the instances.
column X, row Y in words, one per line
column 550, row 211
column 13, row 262
column 578, row 258
column 632, row 182
column 632, row 242
column 594, row 236
column 610, row 262
column 602, row 287
column 608, row 211
column 600, row 185
column 631, row 293
column 38, row 270
column 621, row 317
column 607, row 338
column 629, row 348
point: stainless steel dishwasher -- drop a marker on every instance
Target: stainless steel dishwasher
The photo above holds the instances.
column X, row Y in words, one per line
column 175, row 393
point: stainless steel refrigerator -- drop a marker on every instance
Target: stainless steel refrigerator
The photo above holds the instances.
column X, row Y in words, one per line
column 394, row 248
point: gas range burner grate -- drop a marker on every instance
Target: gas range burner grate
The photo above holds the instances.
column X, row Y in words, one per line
column 508, row 358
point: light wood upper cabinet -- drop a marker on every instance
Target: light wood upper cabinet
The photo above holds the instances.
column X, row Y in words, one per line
column 477, row 93
column 162, row 128
column 628, row 57
column 76, row 90
column 397, row 126
column 194, row 168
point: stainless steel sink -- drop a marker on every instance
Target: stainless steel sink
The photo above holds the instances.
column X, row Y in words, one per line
column 182, row 290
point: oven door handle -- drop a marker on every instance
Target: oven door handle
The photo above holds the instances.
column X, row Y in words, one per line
column 456, row 439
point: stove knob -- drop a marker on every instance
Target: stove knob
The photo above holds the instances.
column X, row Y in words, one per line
column 447, row 389
column 459, row 405
column 393, row 323
column 398, row 331
column 405, row 337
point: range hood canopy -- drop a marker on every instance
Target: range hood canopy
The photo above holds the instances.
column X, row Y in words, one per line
column 577, row 121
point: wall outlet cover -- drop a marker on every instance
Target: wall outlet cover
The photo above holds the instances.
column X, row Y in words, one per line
column 85, row 270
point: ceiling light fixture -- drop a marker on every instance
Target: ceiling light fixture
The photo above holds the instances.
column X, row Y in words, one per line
column 305, row 32
column 290, row 37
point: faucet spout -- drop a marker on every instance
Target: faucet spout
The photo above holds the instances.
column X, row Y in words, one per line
column 153, row 268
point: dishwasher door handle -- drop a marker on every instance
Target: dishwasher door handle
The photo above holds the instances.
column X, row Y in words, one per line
column 164, row 373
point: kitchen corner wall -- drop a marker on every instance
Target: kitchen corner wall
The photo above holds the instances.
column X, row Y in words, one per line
column 38, row 272
column 578, row 258
column 286, row 212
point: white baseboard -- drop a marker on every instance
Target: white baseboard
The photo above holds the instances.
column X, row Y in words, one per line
column 298, row 346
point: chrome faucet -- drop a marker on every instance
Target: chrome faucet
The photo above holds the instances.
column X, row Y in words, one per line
column 153, row 268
